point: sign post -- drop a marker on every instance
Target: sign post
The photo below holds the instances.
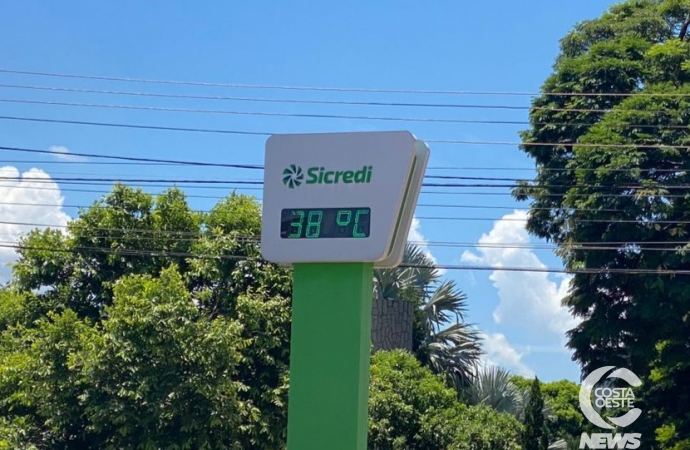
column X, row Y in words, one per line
column 334, row 207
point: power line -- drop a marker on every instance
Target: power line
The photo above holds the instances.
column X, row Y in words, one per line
column 324, row 102
column 132, row 158
column 266, row 134
column 132, row 252
column 173, row 162
column 336, row 89
column 246, row 188
column 171, row 236
column 327, row 116
column 266, row 114
column 249, row 188
column 264, row 100
column 419, row 205
column 175, row 181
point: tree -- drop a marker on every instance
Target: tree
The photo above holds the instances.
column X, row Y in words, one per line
column 535, row 436
column 564, row 420
column 403, row 396
column 609, row 139
column 493, row 387
column 145, row 324
column 156, row 374
column 398, row 294
column 411, row 408
column 442, row 339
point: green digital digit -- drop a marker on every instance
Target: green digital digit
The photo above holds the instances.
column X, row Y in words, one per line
column 355, row 231
column 314, row 224
column 343, row 218
column 298, row 225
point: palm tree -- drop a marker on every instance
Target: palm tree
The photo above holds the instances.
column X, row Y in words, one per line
column 492, row 387
column 410, row 280
column 443, row 340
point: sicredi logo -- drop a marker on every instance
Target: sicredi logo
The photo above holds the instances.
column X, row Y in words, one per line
column 293, row 176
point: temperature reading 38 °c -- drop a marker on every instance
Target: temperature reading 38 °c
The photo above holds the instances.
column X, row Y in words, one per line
column 315, row 223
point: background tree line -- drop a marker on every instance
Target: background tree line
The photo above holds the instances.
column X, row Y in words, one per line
column 146, row 324
column 609, row 137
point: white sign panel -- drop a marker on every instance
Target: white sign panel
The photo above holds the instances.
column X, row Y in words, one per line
column 339, row 197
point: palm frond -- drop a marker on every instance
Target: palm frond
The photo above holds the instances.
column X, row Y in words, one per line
column 446, row 304
column 492, row 387
column 424, row 267
column 410, row 280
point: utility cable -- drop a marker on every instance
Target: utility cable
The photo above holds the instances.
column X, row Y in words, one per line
column 334, row 89
column 173, row 162
column 597, row 187
column 266, row 134
column 169, row 236
column 625, row 244
column 419, row 205
column 328, row 116
column 153, row 253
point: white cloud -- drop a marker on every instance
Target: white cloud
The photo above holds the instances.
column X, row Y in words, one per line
column 23, row 204
column 415, row 236
column 64, row 154
column 498, row 352
column 527, row 299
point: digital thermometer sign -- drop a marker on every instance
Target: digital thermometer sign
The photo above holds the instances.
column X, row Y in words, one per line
column 340, row 197
column 316, row 223
column 334, row 207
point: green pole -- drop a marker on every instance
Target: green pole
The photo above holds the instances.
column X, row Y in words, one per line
column 329, row 356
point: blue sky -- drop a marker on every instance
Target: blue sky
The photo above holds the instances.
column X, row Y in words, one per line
column 492, row 46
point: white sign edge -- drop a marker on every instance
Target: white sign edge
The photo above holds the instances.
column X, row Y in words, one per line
column 395, row 257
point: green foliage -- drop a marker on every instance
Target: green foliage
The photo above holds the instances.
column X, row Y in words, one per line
column 403, row 395
column 264, row 367
column 160, row 374
column 476, row 428
column 667, row 399
column 157, row 374
column 236, row 214
column 411, row 408
column 613, row 168
column 147, row 325
column 442, row 339
column 564, row 419
column 113, row 335
column 535, row 436
column 493, row 387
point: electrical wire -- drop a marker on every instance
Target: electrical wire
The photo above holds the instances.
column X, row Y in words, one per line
column 134, row 159
column 155, row 253
column 419, row 205
column 335, row 89
column 262, row 100
column 172, row 236
column 173, row 162
column 141, row 234
column 266, row 134
column 244, row 187
column 624, row 187
column 328, row 116
column 321, row 102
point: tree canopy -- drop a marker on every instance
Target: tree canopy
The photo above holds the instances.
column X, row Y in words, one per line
column 609, row 137
column 146, row 325
column 412, row 408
